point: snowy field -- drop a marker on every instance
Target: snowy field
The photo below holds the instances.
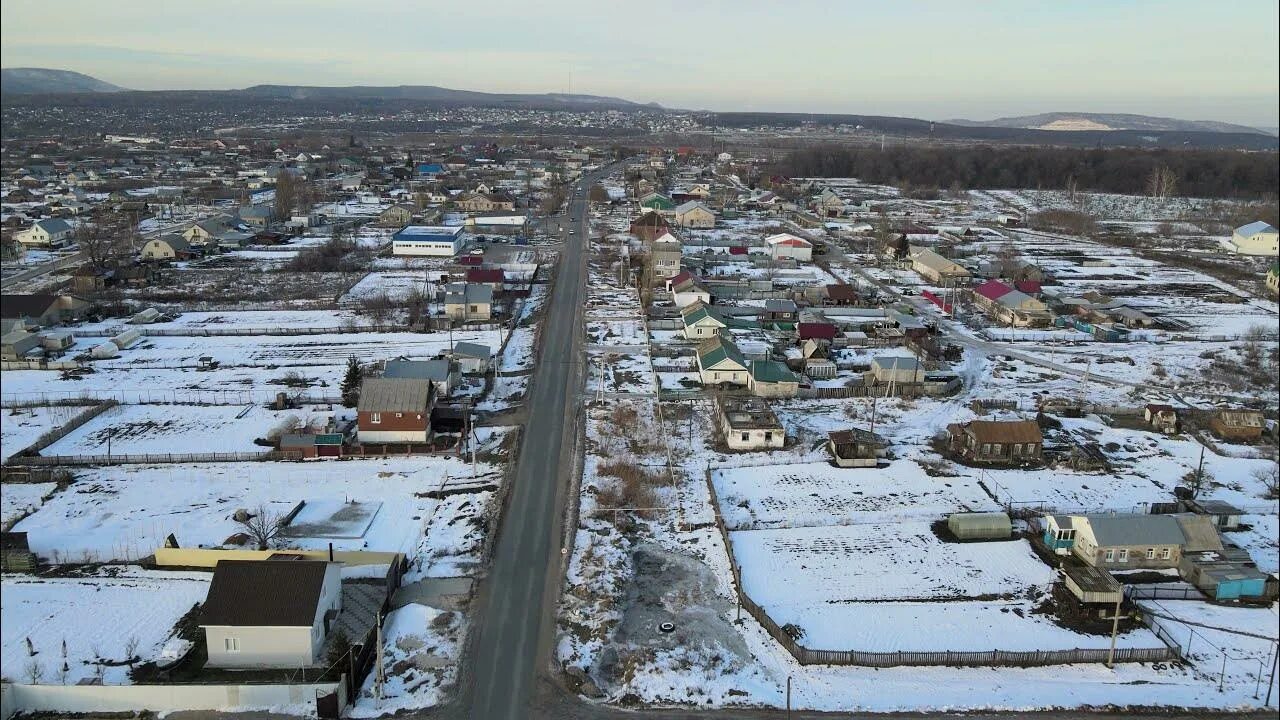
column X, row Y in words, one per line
column 17, row 499
column 125, row 512
column 239, row 319
column 884, row 561
column 819, row 494
column 160, row 429
column 422, row 645
column 19, row 427
column 96, row 616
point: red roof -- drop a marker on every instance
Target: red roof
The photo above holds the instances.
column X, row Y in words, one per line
column 1030, row 287
column 485, row 275
column 992, row 290
column 841, row 292
column 816, row 330
column 737, row 249
column 470, row 260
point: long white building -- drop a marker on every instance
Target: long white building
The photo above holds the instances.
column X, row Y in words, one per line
column 438, row 240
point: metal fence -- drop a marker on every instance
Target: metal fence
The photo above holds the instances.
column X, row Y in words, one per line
column 983, row 658
column 156, row 458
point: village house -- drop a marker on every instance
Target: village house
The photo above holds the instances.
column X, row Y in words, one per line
column 786, row 245
column 270, row 613
column 686, row 289
column 657, row 202
column 665, row 257
column 480, row 202
column 397, row 215
column 170, row 246
column 444, row 373
column 1256, row 238
column 694, row 214
column 1238, row 424
column 995, row 442
column 472, row 358
column 1161, row 417
column 493, row 278
column 43, row 309
column 51, row 233
column 1010, row 306
column 815, row 360
column 395, row 410
column 1117, row 541
column 649, row 226
column 256, row 216
column 721, row 363
column 895, row 369
column 749, row 424
column 770, row 378
column 828, row 204
column 934, row 268
column 468, row 302
column 856, row 447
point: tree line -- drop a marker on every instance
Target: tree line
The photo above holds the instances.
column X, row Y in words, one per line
column 1195, row 173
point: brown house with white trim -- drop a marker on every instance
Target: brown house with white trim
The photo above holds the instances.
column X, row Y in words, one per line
column 395, row 410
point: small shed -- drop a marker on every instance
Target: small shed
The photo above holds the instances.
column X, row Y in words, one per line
column 15, row 554
column 1091, row 585
column 980, row 526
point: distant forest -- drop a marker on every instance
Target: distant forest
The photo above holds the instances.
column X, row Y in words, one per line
column 1197, row 173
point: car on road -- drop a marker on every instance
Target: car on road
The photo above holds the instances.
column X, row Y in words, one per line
column 572, row 231
column 477, row 251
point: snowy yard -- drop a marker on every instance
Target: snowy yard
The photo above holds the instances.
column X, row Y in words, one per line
column 19, row 427
column 125, row 512
column 97, row 616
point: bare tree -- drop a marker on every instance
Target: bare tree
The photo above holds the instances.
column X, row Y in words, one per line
column 131, row 648
column 33, row 671
column 263, row 526
column 104, row 240
column 1162, row 183
column 1270, row 479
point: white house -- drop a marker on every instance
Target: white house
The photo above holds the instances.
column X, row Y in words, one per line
column 749, row 424
column 270, row 613
column 438, row 240
column 786, row 245
column 1256, row 238
column 46, row 233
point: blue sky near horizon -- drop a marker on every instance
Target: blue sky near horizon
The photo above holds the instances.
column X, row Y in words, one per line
column 931, row 59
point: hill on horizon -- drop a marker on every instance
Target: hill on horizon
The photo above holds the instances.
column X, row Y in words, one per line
column 42, row 81
column 1076, row 121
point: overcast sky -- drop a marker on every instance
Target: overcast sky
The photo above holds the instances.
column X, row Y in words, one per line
column 937, row 60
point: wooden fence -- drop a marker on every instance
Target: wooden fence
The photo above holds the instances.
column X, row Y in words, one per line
column 982, row 658
column 156, row 459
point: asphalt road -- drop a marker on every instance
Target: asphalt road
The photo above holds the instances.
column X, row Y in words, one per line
column 36, row 271
column 515, row 608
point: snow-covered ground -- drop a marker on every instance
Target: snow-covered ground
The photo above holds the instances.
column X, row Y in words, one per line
column 97, row 615
column 19, row 427
column 125, row 512
column 421, row 649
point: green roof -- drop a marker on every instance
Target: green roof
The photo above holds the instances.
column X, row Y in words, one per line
column 772, row 371
column 718, row 349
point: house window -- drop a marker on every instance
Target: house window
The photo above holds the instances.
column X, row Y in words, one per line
column 1067, row 534
column 1017, row 448
column 1165, row 554
column 746, row 437
column 998, row 448
column 375, row 418
column 717, row 376
column 1111, row 556
column 1124, row 555
column 231, row 645
column 986, row 448
column 475, row 308
column 1151, row 553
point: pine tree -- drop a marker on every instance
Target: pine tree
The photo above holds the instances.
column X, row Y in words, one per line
column 351, row 382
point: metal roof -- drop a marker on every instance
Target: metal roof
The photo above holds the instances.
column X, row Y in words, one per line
column 1254, row 228
column 395, row 395
column 1117, row 530
column 264, row 593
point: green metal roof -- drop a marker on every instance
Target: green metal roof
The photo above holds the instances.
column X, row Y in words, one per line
column 772, row 371
column 717, row 350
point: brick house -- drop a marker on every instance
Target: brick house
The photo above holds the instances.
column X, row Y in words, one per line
column 395, row 410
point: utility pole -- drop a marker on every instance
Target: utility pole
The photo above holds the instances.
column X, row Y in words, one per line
column 379, row 677
column 1271, row 683
column 1115, row 630
column 788, row 697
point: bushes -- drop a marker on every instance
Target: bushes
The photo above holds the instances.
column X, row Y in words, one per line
column 632, row 488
